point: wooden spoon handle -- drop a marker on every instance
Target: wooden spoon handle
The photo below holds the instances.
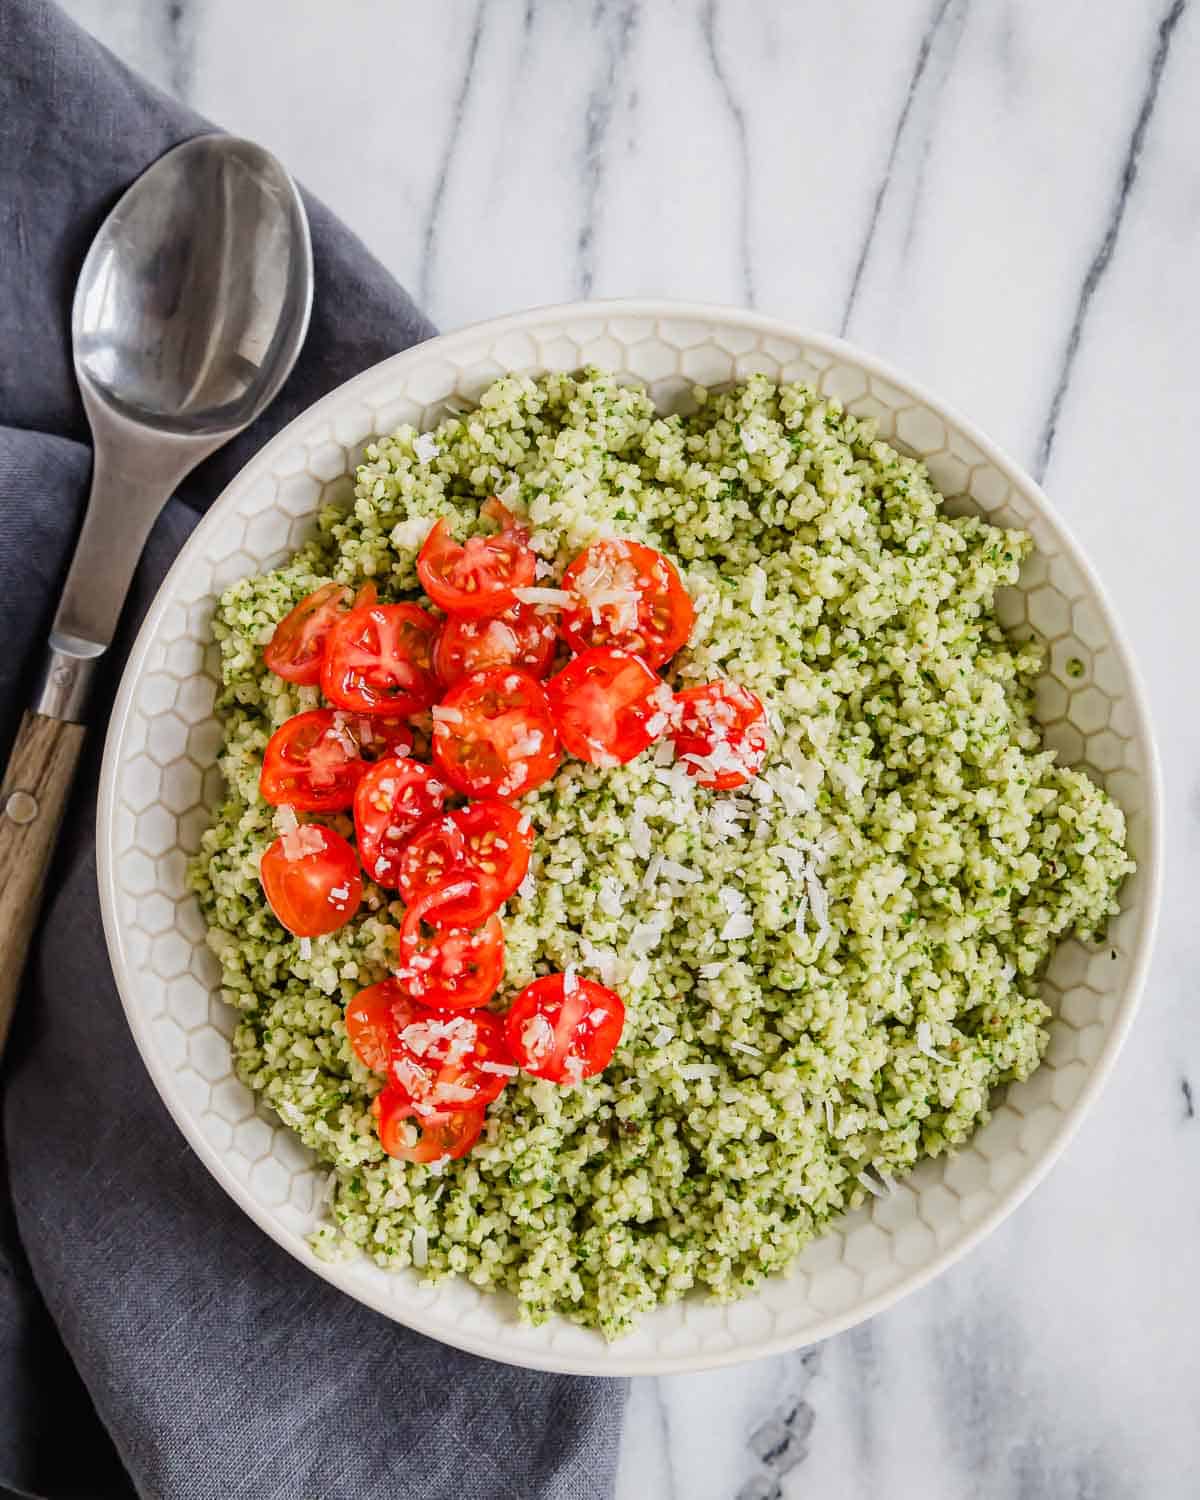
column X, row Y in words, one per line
column 32, row 798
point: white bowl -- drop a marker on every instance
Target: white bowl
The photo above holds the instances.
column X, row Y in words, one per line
column 159, row 783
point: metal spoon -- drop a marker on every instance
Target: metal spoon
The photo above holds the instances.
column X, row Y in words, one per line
column 189, row 312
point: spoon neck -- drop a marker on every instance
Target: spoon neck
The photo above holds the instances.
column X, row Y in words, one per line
column 65, row 683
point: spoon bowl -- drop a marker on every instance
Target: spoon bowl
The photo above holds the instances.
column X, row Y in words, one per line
column 194, row 298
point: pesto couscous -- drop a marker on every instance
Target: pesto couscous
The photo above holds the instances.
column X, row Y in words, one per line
column 825, row 972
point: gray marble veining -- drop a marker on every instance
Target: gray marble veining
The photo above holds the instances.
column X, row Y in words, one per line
column 1003, row 198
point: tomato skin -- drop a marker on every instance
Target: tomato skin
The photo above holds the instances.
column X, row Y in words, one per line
column 312, row 762
column 393, row 799
column 564, row 1037
column 520, row 638
column 488, row 840
column 445, row 1060
column 725, row 720
column 493, row 735
column 456, row 969
column 608, row 706
column 371, row 1020
column 446, row 1134
column 378, row 660
column 476, row 579
column 653, row 626
column 319, row 889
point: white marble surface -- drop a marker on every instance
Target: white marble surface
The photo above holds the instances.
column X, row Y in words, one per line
column 1002, row 197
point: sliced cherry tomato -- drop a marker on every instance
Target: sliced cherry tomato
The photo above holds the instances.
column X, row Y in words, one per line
column 520, row 637
column 564, row 1028
column 380, row 734
column 298, row 645
column 312, row 762
column 372, row 1018
column 378, row 660
column 493, row 735
column 628, row 596
column 450, row 1061
column 455, row 969
column 499, row 843
column 720, row 734
column 435, row 854
column 489, row 840
column 478, row 578
column 393, row 799
column 436, row 1137
column 311, row 879
column 608, row 706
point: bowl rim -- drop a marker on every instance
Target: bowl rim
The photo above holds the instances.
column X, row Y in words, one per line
column 1150, row 862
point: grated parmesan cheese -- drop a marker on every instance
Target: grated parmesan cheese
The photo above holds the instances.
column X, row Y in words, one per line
column 556, row 598
column 746, row 1047
column 409, row 535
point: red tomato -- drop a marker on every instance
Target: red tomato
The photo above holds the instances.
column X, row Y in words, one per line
column 298, row 645
column 720, row 734
column 436, row 1137
column 564, row 1031
column 371, row 1021
column 608, row 706
column 493, row 735
column 394, row 797
column 477, row 579
column 311, row 879
column 380, row 734
column 312, row 762
column 628, row 596
column 499, row 842
column 454, row 969
column 520, row 638
column 378, row 660
column 450, row 1061
column 435, row 854
column 488, row 840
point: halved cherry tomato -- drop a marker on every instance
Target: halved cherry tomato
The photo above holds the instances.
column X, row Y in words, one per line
column 372, row 1019
column 564, row 1028
column 393, row 799
column 378, row 660
column 312, row 762
column 493, row 735
column 435, row 1137
column 628, row 596
column 489, row 840
column 311, row 880
column 477, row 579
column 380, row 734
column 499, row 843
column 298, row 645
column 720, row 734
column 454, row 969
column 520, row 638
column 450, row 1061
column 608, row 706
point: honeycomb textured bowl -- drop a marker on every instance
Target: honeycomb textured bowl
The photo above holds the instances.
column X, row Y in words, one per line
column 160, row 782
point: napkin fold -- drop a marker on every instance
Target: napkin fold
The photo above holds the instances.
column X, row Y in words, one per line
column 152, row 1340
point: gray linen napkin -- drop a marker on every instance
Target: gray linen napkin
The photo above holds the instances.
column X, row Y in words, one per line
column 152, row 1340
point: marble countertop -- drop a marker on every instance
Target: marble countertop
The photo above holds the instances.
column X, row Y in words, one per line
column 1002, row 198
